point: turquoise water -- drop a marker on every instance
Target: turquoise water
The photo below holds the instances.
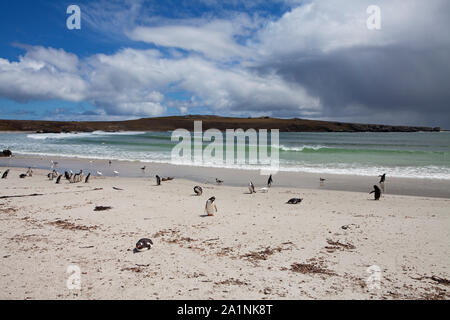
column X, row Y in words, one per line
column 419, row 155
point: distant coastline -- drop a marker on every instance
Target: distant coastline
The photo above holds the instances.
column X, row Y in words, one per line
column 187, row 122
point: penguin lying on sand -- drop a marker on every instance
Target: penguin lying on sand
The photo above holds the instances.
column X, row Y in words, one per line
column 294, row 201
column 144, row 244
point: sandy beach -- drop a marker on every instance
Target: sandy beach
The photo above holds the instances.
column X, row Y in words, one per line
column 255, row 247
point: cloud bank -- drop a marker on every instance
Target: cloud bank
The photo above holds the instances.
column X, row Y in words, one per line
column 317, row 60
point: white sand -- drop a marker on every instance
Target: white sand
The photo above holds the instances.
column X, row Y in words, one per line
column 246, row 251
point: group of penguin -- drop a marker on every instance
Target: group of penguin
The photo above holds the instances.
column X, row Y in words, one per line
column 376, row 190
column 71, row 177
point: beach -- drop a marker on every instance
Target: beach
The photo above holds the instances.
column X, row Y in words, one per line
column 335, row 244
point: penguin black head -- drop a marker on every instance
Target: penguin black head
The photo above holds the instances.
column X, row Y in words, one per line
column 212, row 199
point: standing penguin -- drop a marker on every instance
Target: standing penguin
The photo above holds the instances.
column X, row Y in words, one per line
column 66, row 175
column 377, row 192
column 158, row 180
column 210, row 207
column 58, row 180
column 29, row 172
column 87, row 178
column 382, row 180
column 270, row 181
column 5, row 174
column 251, row 188
column 198, row 190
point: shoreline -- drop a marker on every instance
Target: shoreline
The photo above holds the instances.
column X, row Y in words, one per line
column 439, row 188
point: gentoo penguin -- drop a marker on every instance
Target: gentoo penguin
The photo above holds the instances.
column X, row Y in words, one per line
column 382, row 179
column 198, row 190
column 87, row 178
column 144, row 244
column 5, row 174
column 158, row 180
column 58, row 180
column 210, row 207
column 251, row 188
column 219, row 181
column 377, row 192
column 269, row 181
column 23, row 176
column 294, row 201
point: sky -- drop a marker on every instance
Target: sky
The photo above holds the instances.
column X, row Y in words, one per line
column 313, row 59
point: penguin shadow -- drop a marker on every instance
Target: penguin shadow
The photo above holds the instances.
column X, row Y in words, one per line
column 205, row 216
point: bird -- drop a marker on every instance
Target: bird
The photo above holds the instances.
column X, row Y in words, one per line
column 218, row 181
column 54, row 163
column 99, row 173
column 23, row 176
column 269, row 181
column 322, row 179
column 143, row 244
column 251, row 188
column 58, row 180
column 377, row 192
column 29, row 172
column 66, row 175
column 294, row 201
column 5, row 174
column 158, row 180
column 116, row 173
column 264, row 190
column 167, row 179
column 143, row 168
column 210, row 206
column 87, row 178
column 198, row 190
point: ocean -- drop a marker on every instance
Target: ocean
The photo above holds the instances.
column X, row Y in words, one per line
column 414, row 155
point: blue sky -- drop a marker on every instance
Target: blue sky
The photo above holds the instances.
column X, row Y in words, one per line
column 284, row 58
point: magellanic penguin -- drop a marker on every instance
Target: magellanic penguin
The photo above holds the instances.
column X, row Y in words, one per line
column 218, row 181
column 87, row 178
column 58, row 180
column 29, row 172
column 269, row 181
column 5, row 174
column 198, row 190
column 382, row 180
column 294, row 201
column 251, row 188
column 158, row 180
column 66, row 175
column 210, row 207
column 22, row 176
column 144, row 244
column 377, row 192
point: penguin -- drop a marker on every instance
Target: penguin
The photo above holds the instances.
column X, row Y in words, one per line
column 377, row 192
column 143, row 168
column 87, row 178
column 210, row 206
column 294, row 201
column 218, row 181
column 23, row 176
column 143, row 244
column 29, row 172
column 66, row 175
column 5, row 174
column 251, row 188
column 322, row 179
column 382, row 179
column 269, row 181
column 264, row 190
column 198, row 190
column 58, row 180
column 167, row 179
column 158, row 180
